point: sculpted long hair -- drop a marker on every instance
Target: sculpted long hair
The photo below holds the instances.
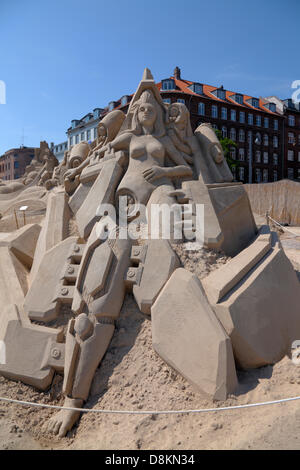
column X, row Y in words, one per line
column 132, row 124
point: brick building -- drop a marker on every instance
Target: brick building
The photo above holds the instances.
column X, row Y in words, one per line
column 14, row 162
column 292, row 140
column 254, row 124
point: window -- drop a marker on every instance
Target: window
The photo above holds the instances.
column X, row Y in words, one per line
column 224, row 132
column 224, row 113
column 291, row 120
column 241, row 173
column 214, row 111
column 241, row 135
column 275, row 159
column 258, row 175
column 266, row 123
column 233, row 153
column 266, row 139
column 16, row 164
column 258, row 156
column 167, row 100
column 257, row 138
column 214, row 126
column 250, row 119
column 276, row 124
column 275, row 141
column 76, row 139
column 291, row 138
column 258, row 120
column 265, row 175
column 82, row 136
column 111, row 105
column 71, row 141
column 242, row 154
column 196, row 88
column 291, row 155
column 298, row 156
column 266, row 158
column 233, row 115
column 95, row 133
column 232, row 134
column 275, row 175
column 168, row 84
column 181, row 100
column 238, row 99
column 124, row 100
column 242, row 117
column 255, row 103
column 201, row 109
column 88, row 134
column 291, row 173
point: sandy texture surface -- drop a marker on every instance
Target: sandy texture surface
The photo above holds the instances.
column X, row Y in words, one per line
column 133, row 377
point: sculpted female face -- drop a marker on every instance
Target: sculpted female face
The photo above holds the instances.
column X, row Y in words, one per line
column 146, row 114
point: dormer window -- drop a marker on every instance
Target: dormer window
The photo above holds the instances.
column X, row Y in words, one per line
column 96, row 113
column 124, row 100
column 111, row 105
column 271, row 107
column 74, row 123
column 254, row 102
column 237, row 98
column 220, row 93
column 196, row 88
column 168, row 84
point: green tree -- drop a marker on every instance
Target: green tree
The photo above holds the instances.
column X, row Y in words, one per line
column 226, row 146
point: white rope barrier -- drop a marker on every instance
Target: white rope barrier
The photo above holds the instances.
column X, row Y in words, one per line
column 284, row 228
column 150, row 412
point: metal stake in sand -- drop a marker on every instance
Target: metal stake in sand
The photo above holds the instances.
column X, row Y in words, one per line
column 16, row 219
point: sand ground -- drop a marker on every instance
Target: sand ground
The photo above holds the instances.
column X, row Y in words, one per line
column 133, row 377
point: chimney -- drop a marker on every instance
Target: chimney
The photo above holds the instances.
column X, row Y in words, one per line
column 177, row 73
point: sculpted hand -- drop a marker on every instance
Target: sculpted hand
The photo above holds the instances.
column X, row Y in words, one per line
column 70, row 174
column 153, row 173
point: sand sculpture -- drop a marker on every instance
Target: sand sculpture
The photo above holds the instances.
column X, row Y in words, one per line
column 245, row 314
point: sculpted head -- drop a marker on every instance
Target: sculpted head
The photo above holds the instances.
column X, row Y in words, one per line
column 147, row 112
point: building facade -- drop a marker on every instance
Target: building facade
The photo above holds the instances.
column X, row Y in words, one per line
column 59, row 150
column 292, row 140
column 266, row 131
column 14, row 162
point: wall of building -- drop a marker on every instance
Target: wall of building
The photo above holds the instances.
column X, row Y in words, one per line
column 14, row 162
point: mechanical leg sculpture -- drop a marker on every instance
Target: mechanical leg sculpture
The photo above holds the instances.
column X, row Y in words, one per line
column 98, row 299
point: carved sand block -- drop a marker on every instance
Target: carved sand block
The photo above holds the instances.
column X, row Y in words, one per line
column 189, row 337
column 233, row 210
column 155, row 257
column 33, row 352
column 13, row 278
column 258, row 306
column 54, row 282
column 221, row 281
column 101, row 276
column 77, row 199
column 102, row 192
column 22, row 243
column 54, row 229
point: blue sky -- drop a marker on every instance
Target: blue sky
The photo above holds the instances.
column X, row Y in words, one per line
column 62, row 58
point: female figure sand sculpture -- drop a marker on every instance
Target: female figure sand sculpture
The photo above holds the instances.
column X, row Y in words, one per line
column 159, row 148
